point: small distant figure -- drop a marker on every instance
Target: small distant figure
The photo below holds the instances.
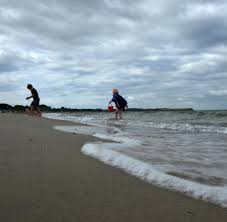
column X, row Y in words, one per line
column 120, row 103
column 34, row 108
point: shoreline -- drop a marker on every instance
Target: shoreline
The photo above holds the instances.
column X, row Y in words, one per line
column 45, row 177
column 103, row 152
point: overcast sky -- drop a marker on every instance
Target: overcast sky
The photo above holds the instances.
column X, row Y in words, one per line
column 166, row 53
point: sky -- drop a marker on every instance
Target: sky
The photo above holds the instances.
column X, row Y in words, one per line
column 166, row 53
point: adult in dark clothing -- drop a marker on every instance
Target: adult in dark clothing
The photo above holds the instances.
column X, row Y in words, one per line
column 120, row 103
column 34, row 108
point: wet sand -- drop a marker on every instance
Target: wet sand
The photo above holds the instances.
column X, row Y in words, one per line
column 45, row 178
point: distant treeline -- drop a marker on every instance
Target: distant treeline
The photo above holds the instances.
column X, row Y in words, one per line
column 19, row 108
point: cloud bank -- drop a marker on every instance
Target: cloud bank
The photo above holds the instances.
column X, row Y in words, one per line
column 159, row 54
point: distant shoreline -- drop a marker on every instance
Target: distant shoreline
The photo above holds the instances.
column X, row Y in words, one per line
column 44, row 108
column 20, row 108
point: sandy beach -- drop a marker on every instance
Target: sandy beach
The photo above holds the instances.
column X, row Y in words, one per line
column 45, row 177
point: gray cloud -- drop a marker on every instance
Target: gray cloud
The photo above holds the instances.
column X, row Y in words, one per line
column 165, row 53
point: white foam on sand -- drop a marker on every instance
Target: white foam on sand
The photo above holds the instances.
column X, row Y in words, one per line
column 109, row 154
column 144, row 171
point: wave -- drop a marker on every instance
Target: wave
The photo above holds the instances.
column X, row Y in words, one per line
column 212, row 113
column 68, row 117
column 191, row 128
column 144, row 171
column 110, row 153
column 184, row 127
column 204, row 127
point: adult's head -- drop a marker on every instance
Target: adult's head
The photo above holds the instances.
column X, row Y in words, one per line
column 115, row 91
column 29, row 86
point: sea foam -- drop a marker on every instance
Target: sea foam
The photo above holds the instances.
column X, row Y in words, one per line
column 107, row 153
column 144, row 171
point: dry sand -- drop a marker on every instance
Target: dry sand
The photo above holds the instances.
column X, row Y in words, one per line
column 45, row 178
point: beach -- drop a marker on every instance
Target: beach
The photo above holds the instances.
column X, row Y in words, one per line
column 45, row 177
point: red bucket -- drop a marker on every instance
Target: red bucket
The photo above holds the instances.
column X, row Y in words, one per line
column 110, row 109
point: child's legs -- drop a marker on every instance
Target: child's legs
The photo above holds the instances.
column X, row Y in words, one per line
column 116, row 114
column 31, row 110
column 27, row 111
column 36, row 110
column 120, row 113
column 39, row 111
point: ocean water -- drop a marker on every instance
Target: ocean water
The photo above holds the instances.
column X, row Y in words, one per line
column 183, row 151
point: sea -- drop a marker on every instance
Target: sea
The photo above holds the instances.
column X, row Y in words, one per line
column 184, row 151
